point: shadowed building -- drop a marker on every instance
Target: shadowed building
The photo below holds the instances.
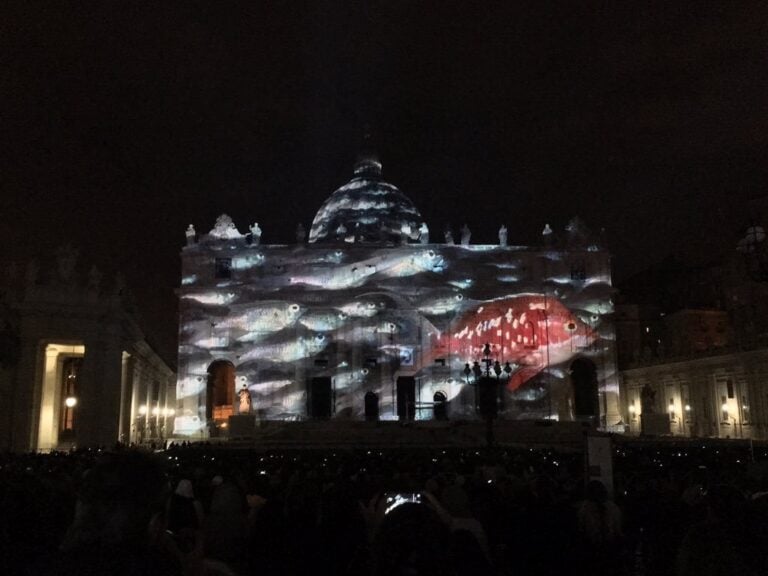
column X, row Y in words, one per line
column 76, row 367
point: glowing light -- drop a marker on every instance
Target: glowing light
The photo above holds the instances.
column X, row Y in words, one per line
column 142, row 410
column 70, row 402
column 155, row 411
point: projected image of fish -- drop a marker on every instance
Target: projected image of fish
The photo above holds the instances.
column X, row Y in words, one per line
column 529, row 331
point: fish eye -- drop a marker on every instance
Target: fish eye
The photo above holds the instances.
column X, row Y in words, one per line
column 294, row 307
column 431, row 253
column 459, row 296
column 365, row 371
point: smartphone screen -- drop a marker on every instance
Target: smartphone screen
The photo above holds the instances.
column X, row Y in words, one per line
column 394, row 499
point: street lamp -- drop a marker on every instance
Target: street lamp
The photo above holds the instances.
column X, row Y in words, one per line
column 70, row 402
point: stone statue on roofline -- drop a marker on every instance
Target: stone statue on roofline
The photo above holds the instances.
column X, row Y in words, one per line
column 301, row 234
column 547, row 235
column 449, row 237
column 190, row 234
column 503, row 236
column 255, row 233
column 466, row 234
column 424, row 233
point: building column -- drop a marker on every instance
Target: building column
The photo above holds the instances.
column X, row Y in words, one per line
column 26, row 392
column 47, row 436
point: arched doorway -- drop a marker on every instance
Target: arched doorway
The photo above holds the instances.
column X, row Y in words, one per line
column 586, row 401
column 220, row 395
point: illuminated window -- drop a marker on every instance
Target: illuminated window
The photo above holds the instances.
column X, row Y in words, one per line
column 724, row 408
column 69, row 375
column 745, row 409
column 223, row 268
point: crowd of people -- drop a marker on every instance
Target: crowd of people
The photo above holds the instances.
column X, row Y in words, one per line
column 675, row 508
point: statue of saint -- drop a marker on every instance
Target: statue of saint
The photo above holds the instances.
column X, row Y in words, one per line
column 255, row 233
column 424, row 233
column 547, row 235
column 647, row 400
column 449, row 237
column 465, row 235
column 190, row 233
column 301, row 234
column 503, row 235
column 244, row 397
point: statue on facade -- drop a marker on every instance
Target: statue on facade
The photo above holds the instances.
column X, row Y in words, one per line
column 465, row 235
column 648, row 400
column 424, row 233
column 255, row 233
column 449, row 237
column 503, row 236
column 244, row 397
column 301, row 234
column 341, row 232
column 547, row 235
column 190, row 234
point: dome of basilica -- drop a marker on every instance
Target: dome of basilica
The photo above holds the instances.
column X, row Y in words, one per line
column 366, row 208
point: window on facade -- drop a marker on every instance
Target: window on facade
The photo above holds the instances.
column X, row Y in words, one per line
column 745, row 409
column 223, row 268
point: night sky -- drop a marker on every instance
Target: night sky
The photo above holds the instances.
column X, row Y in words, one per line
column 123, row 122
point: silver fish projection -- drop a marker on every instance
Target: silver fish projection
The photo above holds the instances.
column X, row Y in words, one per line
column 212, row 298
column 442, row 305
column 323, row 320
column 269, row 387
column 191, row 385
column 387, row 264
column 360, row 309
column 344, row 380
column 286, row 351
column 263, row 317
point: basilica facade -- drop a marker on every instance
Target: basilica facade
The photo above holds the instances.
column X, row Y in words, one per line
column 369, row 315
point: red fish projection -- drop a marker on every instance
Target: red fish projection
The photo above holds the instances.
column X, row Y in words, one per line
column 530, row 332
